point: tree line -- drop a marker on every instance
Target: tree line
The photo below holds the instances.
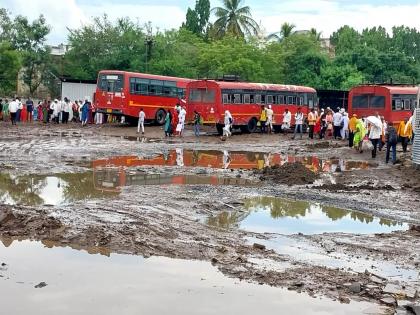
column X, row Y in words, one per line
column 232, row 44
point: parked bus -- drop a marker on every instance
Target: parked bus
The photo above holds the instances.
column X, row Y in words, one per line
column 243, row 100
column 394, row 102
column 123, row 93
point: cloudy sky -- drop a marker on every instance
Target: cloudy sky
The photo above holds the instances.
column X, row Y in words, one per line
column 324, row 15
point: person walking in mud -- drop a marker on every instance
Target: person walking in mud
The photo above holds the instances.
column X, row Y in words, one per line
column 197, row 123
column 140, row 125
column 226, row 129
column 13, row 109
column 312, row 118
column 287, row 118
column 391, row 140
column 263, row 119
column 298, row 123
column 168, row 124
column 270, row 118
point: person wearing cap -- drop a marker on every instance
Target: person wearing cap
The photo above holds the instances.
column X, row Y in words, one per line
column 352, row 129
column 270, row 114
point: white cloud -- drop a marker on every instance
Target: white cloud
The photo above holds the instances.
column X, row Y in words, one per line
column 325, row 15
column 328, row 16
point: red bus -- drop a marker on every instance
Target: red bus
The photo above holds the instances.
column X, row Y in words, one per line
column 124, row 93
column 394, row 102
column 243, row 100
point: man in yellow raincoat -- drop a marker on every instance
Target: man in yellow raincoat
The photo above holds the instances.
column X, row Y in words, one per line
column 405, row 132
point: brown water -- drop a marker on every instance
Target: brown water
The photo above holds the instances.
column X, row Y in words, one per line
column 80, row 283
column 231, row 160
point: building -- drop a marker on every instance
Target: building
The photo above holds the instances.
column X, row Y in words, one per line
column 77, row 89
column 59, row 50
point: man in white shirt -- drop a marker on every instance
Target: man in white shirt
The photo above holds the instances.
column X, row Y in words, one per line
column 66, row 111
column 287, row 118
column 142, row 117
column 344, row 131
column 337, row 124
column 298, row 123
column 13, row 108
column 270, row 114
column 375, row 135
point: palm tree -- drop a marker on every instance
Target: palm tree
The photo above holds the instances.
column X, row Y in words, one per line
column 234, row 19
column 286, row 30
column 313, row 32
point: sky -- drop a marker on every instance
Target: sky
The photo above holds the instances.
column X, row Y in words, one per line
column 324, row 15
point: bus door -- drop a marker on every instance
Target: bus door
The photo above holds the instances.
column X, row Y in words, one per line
column 111, row 86
column 203, row 100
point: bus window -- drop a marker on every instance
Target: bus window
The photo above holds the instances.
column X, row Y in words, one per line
column 181, row 92
column 195, row 95
column 270, row 99
column 156, row 87
column 257, row 99
column 398, row 104
column 305, row 98
column 208, row 96
column 290, row 100
column 225, row 98
column 300, row 100
column 407, row 104
column 262, row 99
column 139, row 86
column 281, row 99
column 237, row 98
column 247, row 99
column 377, row 102
column 360, row 101
column 111, row 82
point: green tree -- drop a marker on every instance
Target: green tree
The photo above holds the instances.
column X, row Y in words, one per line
column 341, row 77
column 197, row 20
column 345, row 39
column 9, row 68
column 234, row 19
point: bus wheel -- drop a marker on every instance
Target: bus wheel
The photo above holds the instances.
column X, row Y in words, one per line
column 219, row 128
column 160, row 117
column 252, row 125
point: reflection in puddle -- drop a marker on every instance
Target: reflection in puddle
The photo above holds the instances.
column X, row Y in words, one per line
column 276, row 215
column 35, row 190
column 79, row 283
column 231, row 160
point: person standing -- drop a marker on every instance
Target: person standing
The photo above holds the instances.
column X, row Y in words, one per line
column 228, row 121
column 298, row 123
column 391, row 139
column 352, row 129
column 85, row 113
column 263, row 119
column 13, row 109
column 140, row 124
column 270, row 114
column 197, row 123
column 287, row 118
column 375, row 136
column 29, row 109
column 6, row 110
column 337, row 124
column 168, row 120
column 312, row 121
column 405, row 133
column 19, row 111
column 344, row 131
column 1, row 109
column 65, row 111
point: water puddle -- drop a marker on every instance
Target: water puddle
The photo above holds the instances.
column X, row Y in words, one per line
column 61, row 189
column 283, row 216
column 231, row 160
column 80, row 283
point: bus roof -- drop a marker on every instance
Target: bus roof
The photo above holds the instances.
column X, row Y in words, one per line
column 393, row 89
column 146, row 75
column 260, row 86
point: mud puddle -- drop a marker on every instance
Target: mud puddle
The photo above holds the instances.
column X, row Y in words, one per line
column 67, row 281
column 60, row 189
column 232, row 160
column 283, row 216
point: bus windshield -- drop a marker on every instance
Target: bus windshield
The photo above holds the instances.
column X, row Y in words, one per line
column 111, row 82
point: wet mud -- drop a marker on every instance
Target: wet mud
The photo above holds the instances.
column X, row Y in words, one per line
column 193, row 199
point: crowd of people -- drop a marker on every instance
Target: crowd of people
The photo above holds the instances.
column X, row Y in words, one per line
column 46, row 111
column 363, row 133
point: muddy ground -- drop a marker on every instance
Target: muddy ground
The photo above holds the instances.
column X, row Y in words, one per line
column 172, row 221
